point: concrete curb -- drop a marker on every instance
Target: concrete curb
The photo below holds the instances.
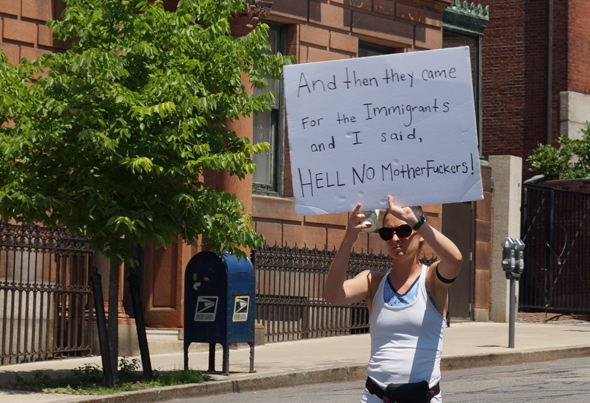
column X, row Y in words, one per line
column 251, row 383
column 513, row 358
column 322, row 375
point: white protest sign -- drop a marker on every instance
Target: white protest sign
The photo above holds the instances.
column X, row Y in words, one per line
column 401, row 124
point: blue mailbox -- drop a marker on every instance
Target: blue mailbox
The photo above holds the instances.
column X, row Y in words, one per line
column 219, row 304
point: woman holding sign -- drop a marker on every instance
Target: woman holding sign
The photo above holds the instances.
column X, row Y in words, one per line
column 407, row 305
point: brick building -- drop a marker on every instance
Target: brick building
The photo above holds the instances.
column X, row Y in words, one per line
column 23, row 33
column 536, row 74
column 320, row 30
column 536, row 87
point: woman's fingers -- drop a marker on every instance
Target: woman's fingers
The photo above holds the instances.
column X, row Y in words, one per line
column 356, row 209
column 356, row 218
column 403, row 213
column 393, row 208
column 390, row 201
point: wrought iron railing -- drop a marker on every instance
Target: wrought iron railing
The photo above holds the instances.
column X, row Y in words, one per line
column 556, row 232
column 290, row 287
column 45, row 297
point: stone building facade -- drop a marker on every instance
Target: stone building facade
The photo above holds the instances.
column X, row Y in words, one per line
column 313, row 31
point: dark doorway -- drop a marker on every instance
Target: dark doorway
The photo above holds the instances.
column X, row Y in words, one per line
column 457, row 224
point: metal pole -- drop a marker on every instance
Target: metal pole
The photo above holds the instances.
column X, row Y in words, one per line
column 211, row 357
column 186, row 344
column 101, row 323
column 549, row 95
column 140, row 327
column 511, row 312
column 549, row 261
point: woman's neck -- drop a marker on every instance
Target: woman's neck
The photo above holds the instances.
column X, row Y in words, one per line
column 404, row 270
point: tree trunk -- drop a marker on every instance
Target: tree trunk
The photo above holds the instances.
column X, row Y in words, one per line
column 113, row 329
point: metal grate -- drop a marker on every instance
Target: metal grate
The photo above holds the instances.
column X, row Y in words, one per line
column 556, row 232
column 289, row 295
column 45, row 296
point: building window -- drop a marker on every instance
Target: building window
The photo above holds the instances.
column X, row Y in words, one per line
column 269, row 126
column 371, row 49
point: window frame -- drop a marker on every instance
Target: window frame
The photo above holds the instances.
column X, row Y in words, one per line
column 376, row 49
column 277, row 153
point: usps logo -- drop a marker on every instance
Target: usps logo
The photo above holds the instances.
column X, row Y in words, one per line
column 206, row 309
column 241, row 308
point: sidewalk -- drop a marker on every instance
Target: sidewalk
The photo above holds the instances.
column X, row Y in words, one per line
column 466, row 345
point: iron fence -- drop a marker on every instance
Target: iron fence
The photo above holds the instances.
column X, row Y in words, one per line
column 290, row 287
column 556, row 232
column 45, row 296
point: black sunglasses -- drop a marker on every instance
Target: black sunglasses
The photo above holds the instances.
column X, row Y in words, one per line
column 403, row 231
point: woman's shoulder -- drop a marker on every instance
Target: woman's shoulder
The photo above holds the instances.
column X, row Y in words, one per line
column 376, row 275
column 372, row 276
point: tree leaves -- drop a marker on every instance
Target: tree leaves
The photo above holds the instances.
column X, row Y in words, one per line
column 571, row 160
column 111, row 138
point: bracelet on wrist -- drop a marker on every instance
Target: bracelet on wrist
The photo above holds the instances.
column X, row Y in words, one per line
column 421, row 220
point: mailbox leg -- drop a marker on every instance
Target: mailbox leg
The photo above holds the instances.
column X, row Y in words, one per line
column 186, row 344
column 211, row 357
column 225, row 369
column 252, row 370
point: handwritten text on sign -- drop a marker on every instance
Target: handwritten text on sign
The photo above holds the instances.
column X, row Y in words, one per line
column 402, row 124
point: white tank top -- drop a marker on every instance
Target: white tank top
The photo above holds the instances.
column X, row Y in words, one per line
column 406, row 341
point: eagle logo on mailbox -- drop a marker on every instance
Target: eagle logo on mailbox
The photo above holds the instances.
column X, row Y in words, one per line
column 241, row 305
column 206, row 309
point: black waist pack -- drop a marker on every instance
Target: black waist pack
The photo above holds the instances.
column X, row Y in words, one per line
column 418, row 392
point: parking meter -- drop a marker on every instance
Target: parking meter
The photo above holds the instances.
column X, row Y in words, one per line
column 519, row 269
column 513, row 265
column 509, row 256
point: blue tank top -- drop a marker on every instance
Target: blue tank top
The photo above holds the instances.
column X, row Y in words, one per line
column 393, row 298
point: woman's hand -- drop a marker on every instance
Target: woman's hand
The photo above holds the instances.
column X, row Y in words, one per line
column 403, row 213
column 355, row 224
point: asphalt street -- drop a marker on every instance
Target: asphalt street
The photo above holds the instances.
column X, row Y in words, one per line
column 551, row 381
column 469, row 345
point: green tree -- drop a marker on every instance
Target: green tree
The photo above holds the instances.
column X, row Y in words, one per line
column 571, row 160
column 111, row 137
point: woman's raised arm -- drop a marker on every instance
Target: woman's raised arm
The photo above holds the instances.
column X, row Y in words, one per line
column 337, row 289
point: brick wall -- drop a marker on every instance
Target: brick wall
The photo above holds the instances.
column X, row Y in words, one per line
column 572, row 185
column 515, row 71
column 275, row 219
column 483, row 237
column 331, row 29
column 579, row 46
column 514, row 77
column 23, row 33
